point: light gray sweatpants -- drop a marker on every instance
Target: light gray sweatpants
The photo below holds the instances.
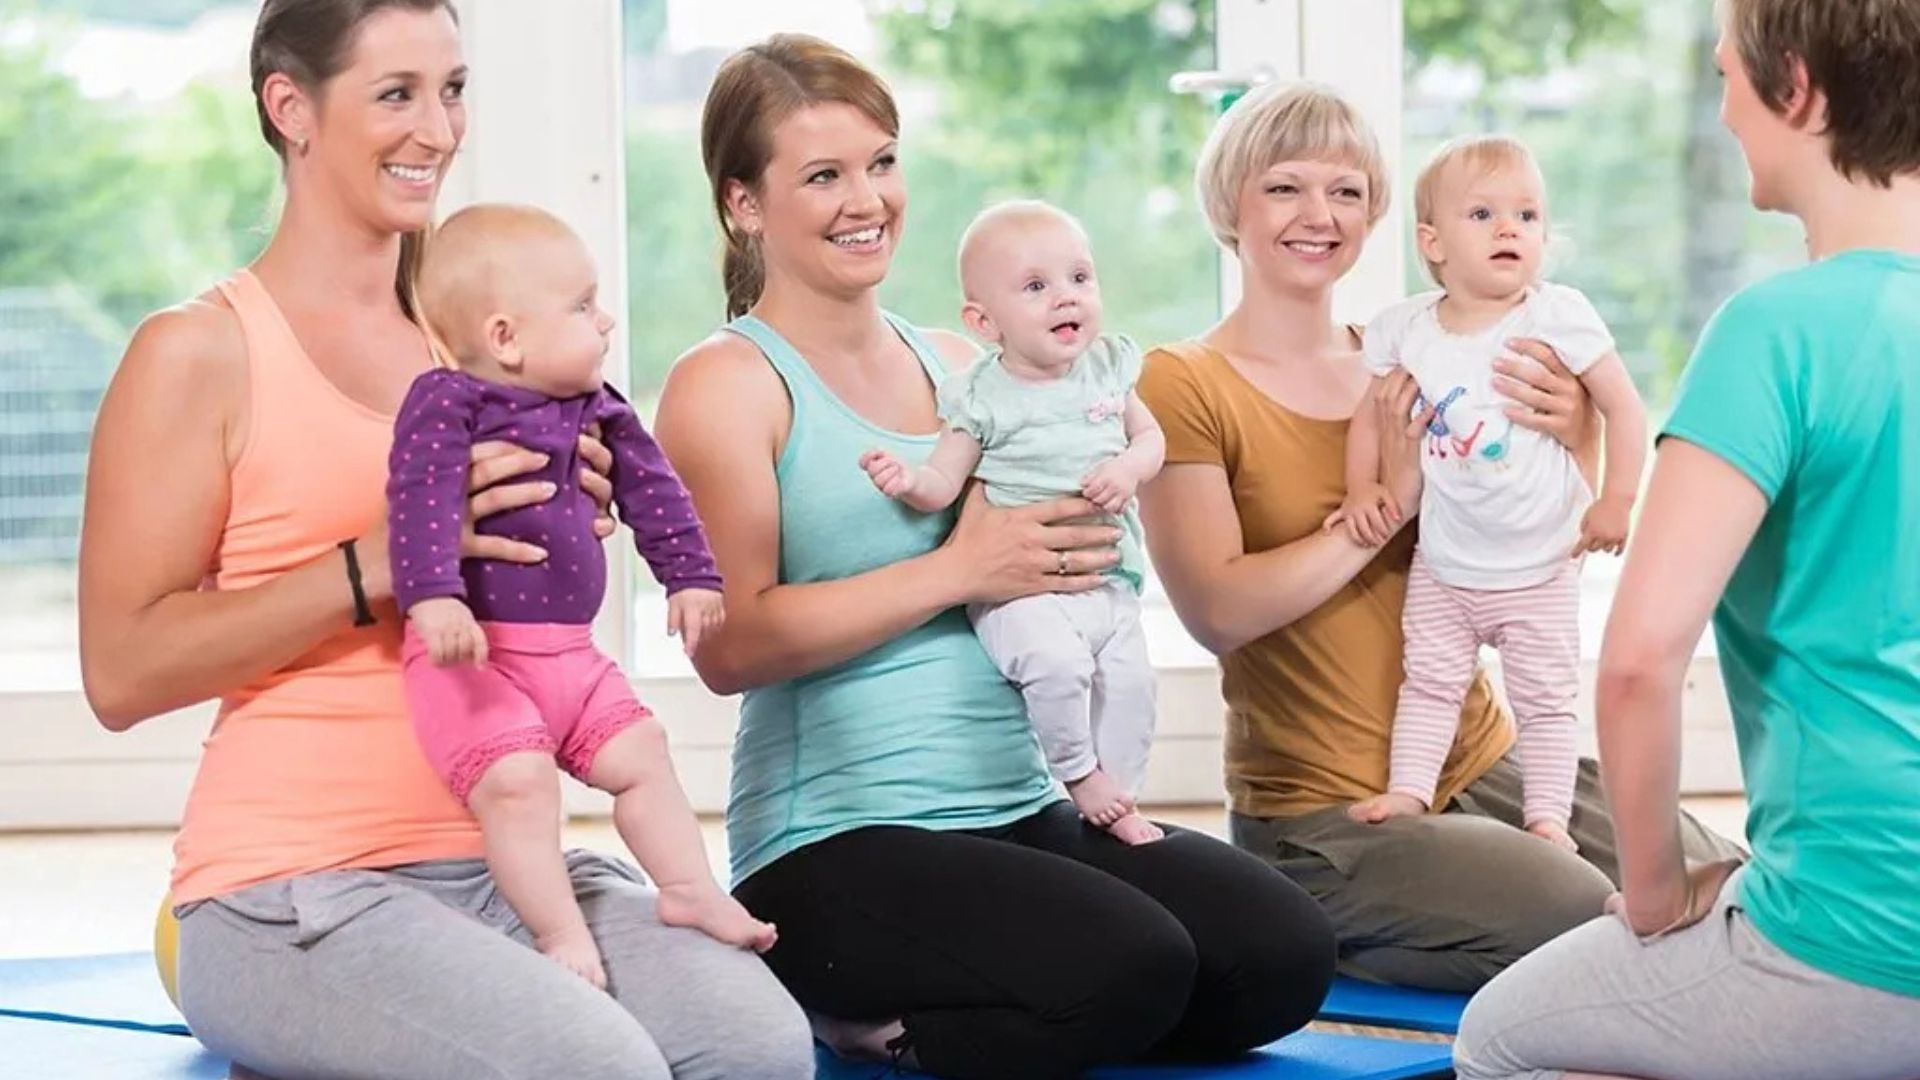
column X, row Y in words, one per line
column 424, row 972
column 1080, row 660
column 1716, row 1001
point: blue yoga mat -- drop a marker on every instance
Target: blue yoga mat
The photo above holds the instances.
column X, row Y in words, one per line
column 1305, row 1055
column 51, row 1050
column 1356, row 1002
column 120, row 990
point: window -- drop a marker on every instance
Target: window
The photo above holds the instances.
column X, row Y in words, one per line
column 1067, row 102
column 1647, row 193
column 133, row 177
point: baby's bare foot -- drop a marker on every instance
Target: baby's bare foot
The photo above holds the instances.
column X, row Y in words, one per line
column 708, row 909
column 1099, row 799
column 1553, row 833
column 574, row 950
column 1135, row 829
column 1386, row 807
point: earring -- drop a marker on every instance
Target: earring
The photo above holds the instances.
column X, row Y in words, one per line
column 300, row 145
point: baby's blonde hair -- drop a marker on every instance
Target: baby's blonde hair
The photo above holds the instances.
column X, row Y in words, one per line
column 998, row 218
column 1475, row 155
column 467, row 268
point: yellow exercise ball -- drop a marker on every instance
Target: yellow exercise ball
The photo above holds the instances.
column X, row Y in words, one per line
column 166, row 950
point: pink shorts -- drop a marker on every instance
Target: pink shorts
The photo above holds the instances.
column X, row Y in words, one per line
column 544, row 687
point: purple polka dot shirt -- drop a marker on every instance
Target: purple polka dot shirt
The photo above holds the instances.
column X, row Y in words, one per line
column 446, row 412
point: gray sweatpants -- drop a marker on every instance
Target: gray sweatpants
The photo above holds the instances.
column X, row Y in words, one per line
column 424, row 972
column 1445, row 901
column 1080, row 661
column 1716, row 1001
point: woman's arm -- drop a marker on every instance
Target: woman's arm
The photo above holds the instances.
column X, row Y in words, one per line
column 150, row 639
column 775, row 631
column 1226, row 597
column 1700, row 513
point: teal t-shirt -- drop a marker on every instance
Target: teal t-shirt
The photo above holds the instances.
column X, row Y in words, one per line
column 1809, row 383
column 1039, row 440
column 921, row 730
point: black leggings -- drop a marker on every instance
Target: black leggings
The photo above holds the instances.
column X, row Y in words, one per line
column 1044, row 947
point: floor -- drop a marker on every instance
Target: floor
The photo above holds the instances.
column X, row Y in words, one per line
column 73, row 893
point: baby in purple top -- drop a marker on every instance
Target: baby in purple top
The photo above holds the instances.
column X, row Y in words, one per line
column 503, row 679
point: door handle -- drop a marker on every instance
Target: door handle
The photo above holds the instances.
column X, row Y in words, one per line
column 1220, row 83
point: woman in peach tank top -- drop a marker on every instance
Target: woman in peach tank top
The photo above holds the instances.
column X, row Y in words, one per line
column 333, row 905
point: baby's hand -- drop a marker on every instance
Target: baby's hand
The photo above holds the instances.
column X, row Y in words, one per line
column 1111, row 485
column 1369, row 513
column 694, row 613
column 887, row 472
column 448, row 627
column 1604, row 528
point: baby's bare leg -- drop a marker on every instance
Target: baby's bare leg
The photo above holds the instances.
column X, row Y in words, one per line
column 657, row 823
column 517, row 803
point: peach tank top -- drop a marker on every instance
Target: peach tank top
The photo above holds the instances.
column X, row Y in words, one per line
column 313, row 767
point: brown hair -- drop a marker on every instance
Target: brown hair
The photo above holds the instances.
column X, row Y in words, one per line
column 756, row 89
column 310, row 41
column 1863, row 56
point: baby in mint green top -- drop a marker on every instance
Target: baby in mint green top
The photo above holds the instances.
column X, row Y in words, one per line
column 1049, row 412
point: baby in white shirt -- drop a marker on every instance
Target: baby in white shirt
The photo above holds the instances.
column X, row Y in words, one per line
column 1505, row 515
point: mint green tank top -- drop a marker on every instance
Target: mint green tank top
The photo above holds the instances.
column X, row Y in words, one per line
column 921, row 730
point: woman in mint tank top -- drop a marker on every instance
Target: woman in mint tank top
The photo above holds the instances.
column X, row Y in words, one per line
column 939, row 903
column 1784, row 504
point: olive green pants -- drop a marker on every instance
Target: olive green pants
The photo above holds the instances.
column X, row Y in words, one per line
column 1448, row 900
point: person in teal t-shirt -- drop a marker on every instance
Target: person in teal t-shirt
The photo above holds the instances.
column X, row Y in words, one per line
column 1050, row 412
column 1787, row 480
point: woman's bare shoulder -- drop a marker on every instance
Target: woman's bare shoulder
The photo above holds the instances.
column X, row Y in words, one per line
column 957, row 351
column 197, row 348
column 723, row 375
column 201, row 337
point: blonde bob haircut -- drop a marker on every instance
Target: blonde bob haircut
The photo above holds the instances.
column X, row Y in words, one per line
column 1283, row 122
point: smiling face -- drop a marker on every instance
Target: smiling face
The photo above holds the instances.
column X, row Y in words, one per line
column 380, row 134
column 1302, row 224
column 1487, row 232
column 829, row 208
column 1030, row 285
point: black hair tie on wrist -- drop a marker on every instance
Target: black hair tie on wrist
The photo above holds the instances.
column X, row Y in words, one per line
column 362, row 613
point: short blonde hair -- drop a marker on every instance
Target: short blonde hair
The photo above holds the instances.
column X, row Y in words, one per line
column 1477, row 155
column 1283, row 122
column 467, row 263
column 990, row 223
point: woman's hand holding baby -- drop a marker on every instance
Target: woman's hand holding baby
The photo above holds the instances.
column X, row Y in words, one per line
column 1004, row 554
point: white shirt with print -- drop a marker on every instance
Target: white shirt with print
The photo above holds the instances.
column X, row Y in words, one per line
column 1502, row 505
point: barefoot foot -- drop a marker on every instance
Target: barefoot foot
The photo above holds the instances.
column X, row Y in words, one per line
column 574, row 950
column 1386, row 807
column 1553, row 833
column 1135, row 829
column 1099, row 799
column 706, row 908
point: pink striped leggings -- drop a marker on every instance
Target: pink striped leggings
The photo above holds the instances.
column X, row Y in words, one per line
column 1537, row 630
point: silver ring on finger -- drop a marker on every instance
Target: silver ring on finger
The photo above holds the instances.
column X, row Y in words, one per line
column 1060, row 567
